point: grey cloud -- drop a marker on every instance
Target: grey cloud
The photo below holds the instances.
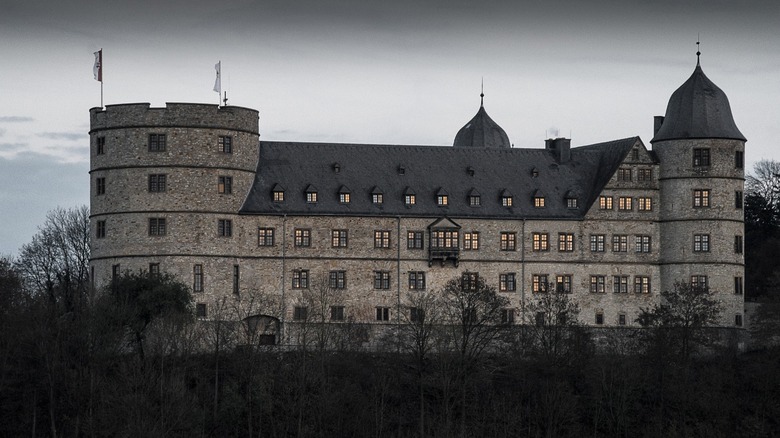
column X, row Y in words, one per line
column 72, row 136
column 2, row 132
column 15, row 119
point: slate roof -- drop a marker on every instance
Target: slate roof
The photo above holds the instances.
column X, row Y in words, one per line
column 424, row 171
column 698, row 109
column 481, row 132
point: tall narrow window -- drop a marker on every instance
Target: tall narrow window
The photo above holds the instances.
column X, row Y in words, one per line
column 225, row 185
column 225, row 144
column 225, row 228
column 738, row 286
column 101, row 146
column 739, row 159
column 100, row 230
column 738, row 196
column 197, row 278
column 100, row 186
column 738, row 245
column 154, row 269
column 236, row 279
column 506, row 282
column 156, row 142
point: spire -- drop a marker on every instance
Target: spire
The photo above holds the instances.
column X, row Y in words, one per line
column 698, row 52
column 482, row 94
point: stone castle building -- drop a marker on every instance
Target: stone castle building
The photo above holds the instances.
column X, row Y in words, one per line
column 190, row 189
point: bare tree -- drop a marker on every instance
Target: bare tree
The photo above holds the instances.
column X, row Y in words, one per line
column 552, row 323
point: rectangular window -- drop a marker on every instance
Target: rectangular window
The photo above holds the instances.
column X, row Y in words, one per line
column 236, row 279
column 337, row 280
column 410, row 200
column 739, row 288
column 383, row 314
column 738, row 320
column 471, row 241
column 699, row 282
column 381, row 279
column 599, row 318
column 605, row 202
column 508, row 241
column 382, row 239
column 101, row 146
column 311, row 197
column 701, row 243
column 224, row 228
column 738, row 247
column 157, row 182
column 597, row 242
column 506, row 201
column 154, row 269
column 344, row 198
column 469, row 281
column 474, row 200
column 701, row 157
column 116, row 271
column 645, row 203
column 738, row 196
column 338, row 238
column 416, row 314
column 624, row 175
column 416, row 280
column 539, row 319
column 538, row 202
column 157, row 226
column 622, row 319
column 156, row 142
column 302, row 237
column 414, row 240
column 571, row 202
column 265, row 237
column 739, row 159
column 701, row 198
column 200, row 310
column 225, row 144
column 635, row 154
column 278, row 196
column 642, row 244
column 197, row 278
column 565, row 242
column 100, row 186
column 225, row 185
column 506, row 282
column 625, row 203
column 597, row 284
column 641, row 284
column 619, row 243
column 507, row 316
column 300, row 279
column 377, row 198
column 442, row 200
column 300, row 313
column 444, row 239
column 100, row 230
column 540, row 241
column 539, row 283
column 563, row 283
column 620, row 284
column 644, row 174
column 337, row 313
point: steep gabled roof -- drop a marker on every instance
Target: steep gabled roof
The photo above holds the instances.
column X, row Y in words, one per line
column 426, row 170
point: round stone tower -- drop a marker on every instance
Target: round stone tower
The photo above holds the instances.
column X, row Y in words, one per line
column 166, row 187
column 701, row 152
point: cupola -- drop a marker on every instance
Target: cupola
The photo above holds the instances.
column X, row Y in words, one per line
column 481, row 132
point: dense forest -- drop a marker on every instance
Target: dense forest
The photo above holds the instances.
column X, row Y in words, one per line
column 131, row 360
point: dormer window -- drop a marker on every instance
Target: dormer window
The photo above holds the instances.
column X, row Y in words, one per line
column 336, row 167
column 474, row 198
column 344, row 195
column 534, row 172
column 506, row 199
column 277, row 193
column 401, row 170
column 538, row 199
column 376, row 196
column 470, row 171
column 571, row 202
column 410, row 200
column 311, row 194
column 442, row 200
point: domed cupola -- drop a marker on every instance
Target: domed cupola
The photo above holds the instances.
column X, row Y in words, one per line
column 481, row 132
column 698, row 109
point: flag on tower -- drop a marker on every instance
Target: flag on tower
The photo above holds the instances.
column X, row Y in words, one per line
column 218, row 81
column 97, row 69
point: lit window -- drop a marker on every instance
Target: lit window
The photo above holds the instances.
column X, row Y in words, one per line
column 566, row 242
column 311, row 197
column 338, row 238
column 506, row 282
column 156, row 142
column 157, row 226
column 471, row 241
column 597, row 242
column 157, row 183
column 619, row 243
column 571, row 202
column 625, row 203
column 597, row 284
column 381, row 239
column 278, row 196
column 344, row 198
column 605, row 202
column 701, row 157
column 100, row 186
column 225, row 228
column 645, row 203
column 539, row 283
column 225, row 144
column 197, row 278
column 414, row 240
column 624, row 175
column 641, row 284
column 538, row 201
column 620, row 284
column 302, row 237
column 701, row 243
column 506, row 201
column 508, row 241
column 300, row 279
column 563, row 283
column 265, row 237
column 442, row 200
column 410, row 200
column 540, row 241
column 699, row 282
column 416, row 280
column 377, row 198
column 337, row 279
column 225, row 185
column 701, row 198
column 381, row 279
column 444, row 239
column 642, row 243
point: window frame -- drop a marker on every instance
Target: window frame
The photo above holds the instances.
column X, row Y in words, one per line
column 157, row 142
column 265, row 236
column 598, row 242
column 701, row 157
column 471, row 241
column 701, row 198
column 606, row 203
column 337, row 279
column 641, row 284
column 300, row 279
column 415, row 239
column 382, row 239
column 225, row 228
column 158, row 226
column 701, row 243
column 339, row 238
column 158, row 183
column 224, row 184
column 507, row 282
column 225, row 144
column 598, row 284
column 416, row 280
column 381, row 280
column 643, row 244
column 540, row 283
column 508, row 241
column 540, row 242
column 100, row 229
column 302, row 237
column 197, row 278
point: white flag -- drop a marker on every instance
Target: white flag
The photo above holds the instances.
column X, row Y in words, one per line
column 97, row 69
column 218, row 81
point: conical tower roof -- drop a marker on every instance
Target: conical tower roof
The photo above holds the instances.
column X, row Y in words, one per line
column 698, row 109
column 481, row 132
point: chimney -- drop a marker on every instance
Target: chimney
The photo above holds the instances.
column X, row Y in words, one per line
column 657, row 122
column 560, row 147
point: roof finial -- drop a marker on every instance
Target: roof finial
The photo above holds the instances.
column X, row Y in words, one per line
column 698, row 53
column 482, row 94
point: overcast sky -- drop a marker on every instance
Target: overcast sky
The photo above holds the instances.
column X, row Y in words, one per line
column 396, row 72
